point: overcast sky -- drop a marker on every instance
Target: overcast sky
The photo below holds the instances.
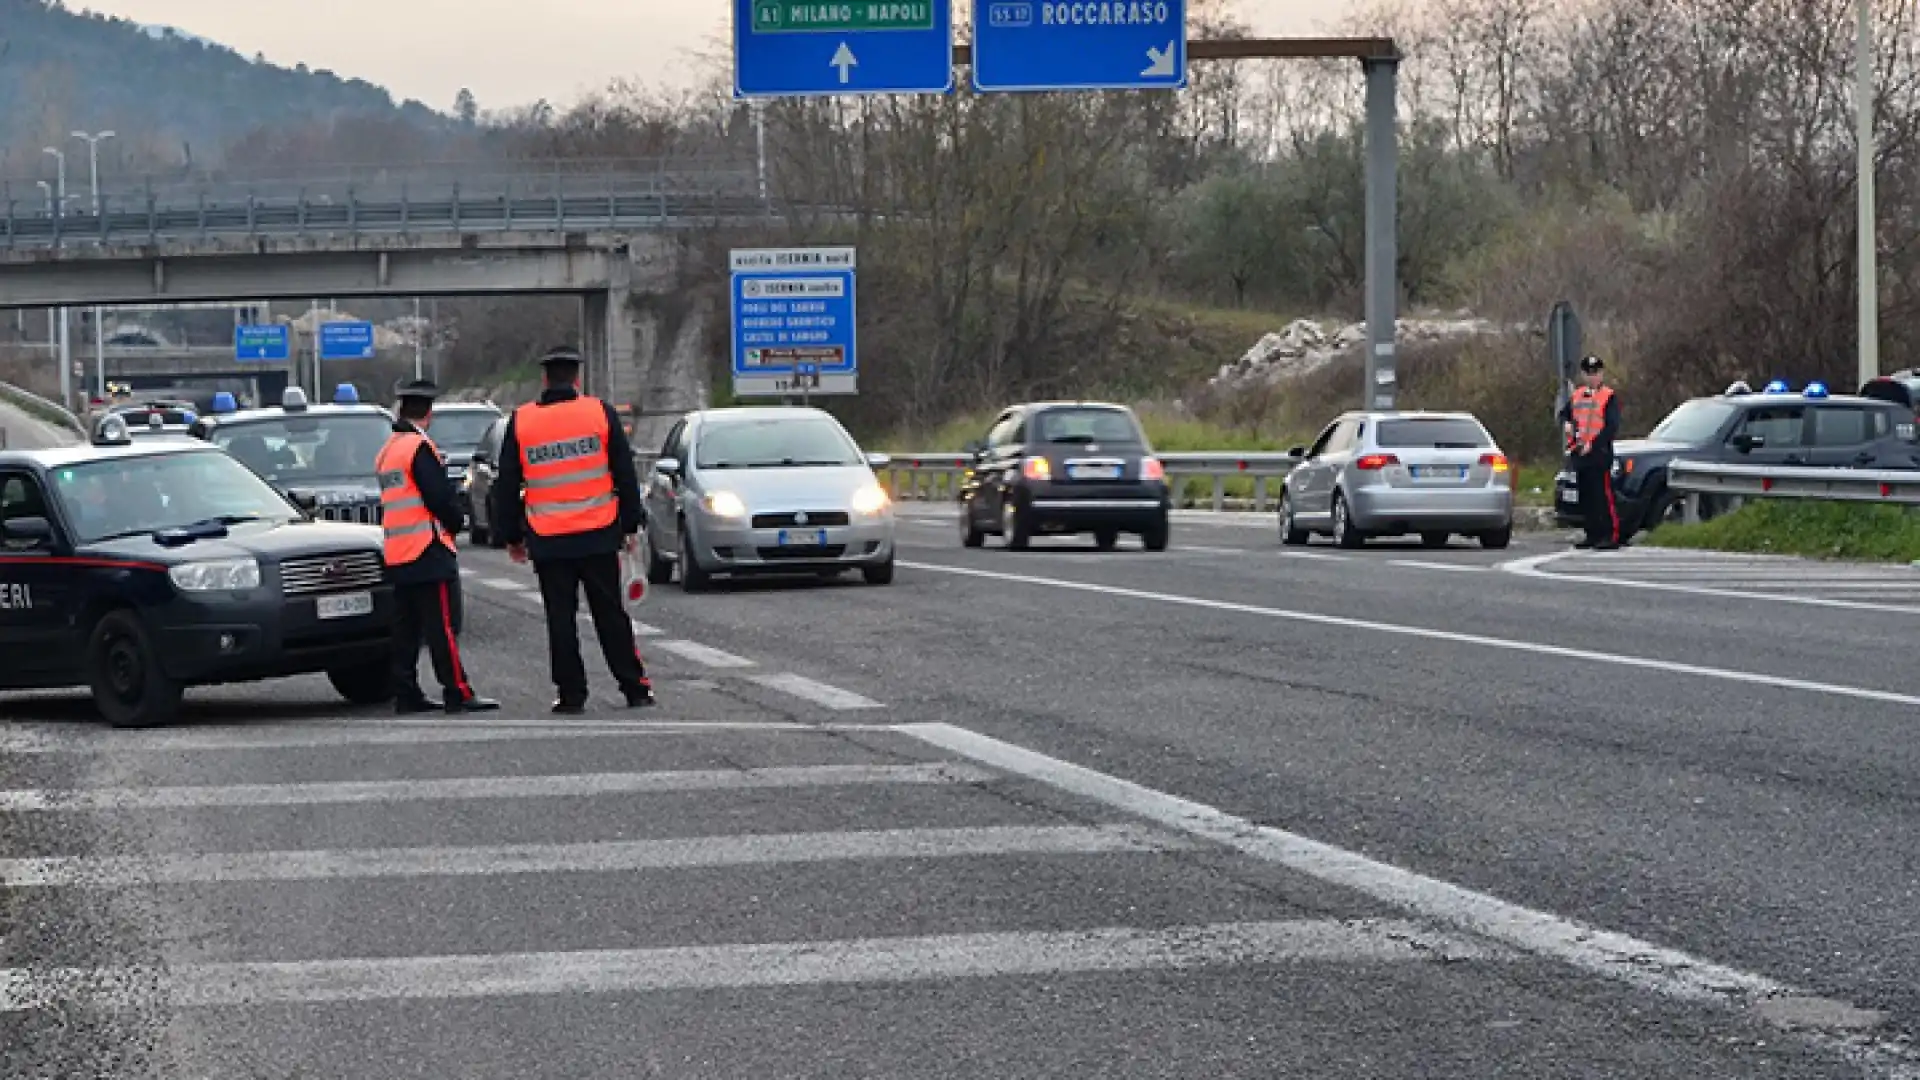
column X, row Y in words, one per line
column 511, row 52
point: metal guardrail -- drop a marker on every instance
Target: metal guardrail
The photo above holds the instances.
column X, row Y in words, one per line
column 1698, row 479
column 50, row 412
column 568, row 204
column 937, row 476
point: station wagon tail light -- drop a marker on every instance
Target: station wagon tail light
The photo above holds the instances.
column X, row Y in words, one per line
column 1498, row 462
column 1371, row 462
column 1036, row 468
column 1151, row 469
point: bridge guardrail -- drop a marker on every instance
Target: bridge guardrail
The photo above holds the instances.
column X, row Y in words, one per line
column 937, row 476
column 41, row 409
column 572, row 206
column 1697, row 479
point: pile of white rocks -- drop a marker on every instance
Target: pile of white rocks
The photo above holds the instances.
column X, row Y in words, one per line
column 1306, row 346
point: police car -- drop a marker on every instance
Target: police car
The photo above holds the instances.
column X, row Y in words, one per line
column 1776, row 426
column 140, row 568
column 320, row 456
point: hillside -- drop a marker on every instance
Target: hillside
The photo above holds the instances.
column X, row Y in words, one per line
column 170, row 96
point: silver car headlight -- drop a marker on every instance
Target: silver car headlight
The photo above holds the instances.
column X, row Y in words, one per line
column 216, row 575
column 871, row 501
column 725, row 504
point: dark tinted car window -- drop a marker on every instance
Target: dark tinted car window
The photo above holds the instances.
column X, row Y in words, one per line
column 1435, row 434
column 1779, row 425
column 459, row 432
column 1085, row 426
column 1841, row 426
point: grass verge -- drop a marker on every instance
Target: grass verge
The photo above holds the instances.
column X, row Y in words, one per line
column 1819, row 530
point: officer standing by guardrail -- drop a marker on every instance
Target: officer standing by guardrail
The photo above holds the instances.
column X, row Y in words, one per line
column 1591, row 420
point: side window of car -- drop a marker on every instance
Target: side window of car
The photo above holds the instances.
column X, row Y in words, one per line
column 1842, row 426
column 1001, row 434
column 1344, row 437
column 1779, row 425
column 670, row 448
column 21, row 497
column 1326, row 437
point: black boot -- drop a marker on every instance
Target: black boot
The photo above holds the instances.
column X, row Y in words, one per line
column 476, row 703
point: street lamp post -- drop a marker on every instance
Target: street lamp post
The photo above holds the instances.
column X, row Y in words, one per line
column 57, row 206
column 1869, row 279
column 99, row 327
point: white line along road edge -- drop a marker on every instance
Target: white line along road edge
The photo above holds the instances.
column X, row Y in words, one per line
column 1614, row 956
column 1671, row 667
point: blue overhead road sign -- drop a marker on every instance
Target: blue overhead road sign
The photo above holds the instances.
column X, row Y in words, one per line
column 269, row 342
column 1079, row 45
column 803, row 48
column 794, row 331
column 346, row 341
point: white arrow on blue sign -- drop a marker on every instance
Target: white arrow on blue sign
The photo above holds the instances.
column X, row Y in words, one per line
column 809, row 48
column 1040, row 45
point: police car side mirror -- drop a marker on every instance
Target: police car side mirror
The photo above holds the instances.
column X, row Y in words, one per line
column 1297, row 452
column 1746, row 443
column 879, row 461
column 35, row 531
column 481, row 457
column 667, row 466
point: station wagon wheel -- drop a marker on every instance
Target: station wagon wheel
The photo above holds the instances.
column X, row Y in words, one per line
column 1291, row 533
column 130, row 689
column 1344, row 533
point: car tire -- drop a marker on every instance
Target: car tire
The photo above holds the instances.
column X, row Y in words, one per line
column 1344, row 534
column 1434, row 539
column 693, row 577
column 878, row 575
column 1291, row 534
column 970, row 534
column 129, row 688
column 1156, row 535
column 1496, row 539
column 1106, row 539
column 369, row 683
column 659, row 569
column 1014, row 527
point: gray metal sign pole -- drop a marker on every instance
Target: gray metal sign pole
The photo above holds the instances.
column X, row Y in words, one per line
column 1382, row 270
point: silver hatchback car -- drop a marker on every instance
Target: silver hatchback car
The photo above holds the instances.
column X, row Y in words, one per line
column 1394, row 473
column 766, row 490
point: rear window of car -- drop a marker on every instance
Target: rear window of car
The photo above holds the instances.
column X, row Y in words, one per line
column 1448, row 433
column 1086, row 426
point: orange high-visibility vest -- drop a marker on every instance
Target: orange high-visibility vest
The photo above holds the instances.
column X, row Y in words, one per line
column 1589, row 408
column 404, row 517
column 563, row 456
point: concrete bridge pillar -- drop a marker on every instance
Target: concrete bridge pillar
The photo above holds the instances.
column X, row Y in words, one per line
column 668, row 371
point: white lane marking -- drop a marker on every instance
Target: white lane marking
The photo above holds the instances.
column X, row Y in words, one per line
column 597, row 858
column 1209, row 550
column 1532, row 568
column 1294, row 553
column 1646, row 966
column 786, row 964
column 504, row 584
column 819, row 693
column 703, row 654
column 646, row 629
column 379, row 733
column 468, row 571
column 484, row 787
column 1421, row 564
column 1670, row 667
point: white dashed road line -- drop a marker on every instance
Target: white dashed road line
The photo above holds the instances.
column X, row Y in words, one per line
column 819, row 693
column 504, row 584
column 703, row 654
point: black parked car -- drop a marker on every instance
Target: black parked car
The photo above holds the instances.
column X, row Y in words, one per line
column 319, row 456
column 1810, row 428
column 1064, row 467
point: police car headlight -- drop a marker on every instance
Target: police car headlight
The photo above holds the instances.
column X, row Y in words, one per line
column 870, row 500
column 221, row 575
column 725, row 504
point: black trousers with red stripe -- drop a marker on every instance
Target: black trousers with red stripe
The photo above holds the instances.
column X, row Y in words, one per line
column 430, row 613
column 561, row 583
column 1598, row 510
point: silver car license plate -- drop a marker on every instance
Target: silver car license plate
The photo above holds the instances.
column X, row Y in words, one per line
column 803, row 538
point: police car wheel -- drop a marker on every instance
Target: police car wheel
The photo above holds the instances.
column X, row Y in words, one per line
column 129, row 687
column 370, row 683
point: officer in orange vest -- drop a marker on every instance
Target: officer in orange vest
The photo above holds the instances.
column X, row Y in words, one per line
column 1591, row 420
column 420, row 516
column 568, row 497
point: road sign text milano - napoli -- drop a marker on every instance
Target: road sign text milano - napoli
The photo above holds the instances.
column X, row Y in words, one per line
column 794, row 322
column 798, row 48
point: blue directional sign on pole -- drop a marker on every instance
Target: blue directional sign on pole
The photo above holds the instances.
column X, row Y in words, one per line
column 794, row 331
column 346, row 341
column 268, row 342
column 807, row 48
column 1041, row 45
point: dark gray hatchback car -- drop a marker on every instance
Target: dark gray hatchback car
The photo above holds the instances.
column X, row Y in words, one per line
column 1064, row 467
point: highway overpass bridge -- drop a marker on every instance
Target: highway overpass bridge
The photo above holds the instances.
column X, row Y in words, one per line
column 618, row 240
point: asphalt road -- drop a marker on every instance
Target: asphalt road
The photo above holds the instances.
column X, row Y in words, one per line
column 1229, row 810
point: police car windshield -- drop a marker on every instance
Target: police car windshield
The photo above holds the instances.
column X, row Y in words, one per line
column 773, row 444
column 1696, row 421
column 135, row 496
column 308, row 449
column 460, row 432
